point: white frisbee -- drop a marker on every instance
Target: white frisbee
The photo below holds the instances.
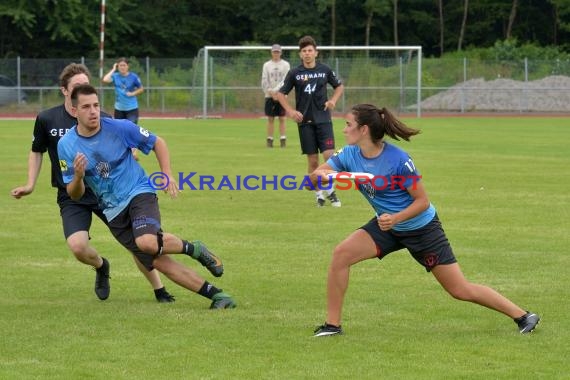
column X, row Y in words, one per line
column 352, row 175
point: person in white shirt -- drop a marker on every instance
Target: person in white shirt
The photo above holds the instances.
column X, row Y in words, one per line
column 272, row 76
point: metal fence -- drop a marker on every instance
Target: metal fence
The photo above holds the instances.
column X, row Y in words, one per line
column 174, row 86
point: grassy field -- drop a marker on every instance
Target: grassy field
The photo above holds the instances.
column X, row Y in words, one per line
column 502, row 190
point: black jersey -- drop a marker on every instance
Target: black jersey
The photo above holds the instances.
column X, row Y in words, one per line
column 50, row 126
column 311, row 91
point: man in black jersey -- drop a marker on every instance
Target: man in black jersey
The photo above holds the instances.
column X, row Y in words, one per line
column 313, row 109
column 50, row 126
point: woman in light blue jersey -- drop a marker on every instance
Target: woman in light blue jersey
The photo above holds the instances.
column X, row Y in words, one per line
column 405, row 218
column 127, row 87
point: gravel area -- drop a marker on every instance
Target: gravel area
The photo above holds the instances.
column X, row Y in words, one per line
column 550, row 94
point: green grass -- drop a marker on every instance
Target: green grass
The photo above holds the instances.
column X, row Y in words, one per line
column 501, row 187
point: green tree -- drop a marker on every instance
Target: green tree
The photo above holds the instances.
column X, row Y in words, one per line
column 379, row 7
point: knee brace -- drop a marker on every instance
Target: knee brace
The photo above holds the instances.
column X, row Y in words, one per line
column 160, row 243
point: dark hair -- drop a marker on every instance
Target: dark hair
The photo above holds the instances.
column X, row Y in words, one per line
column 123, row 59
column 381, row 122
column 307, row 41
column 70, row 71
column 82, row 89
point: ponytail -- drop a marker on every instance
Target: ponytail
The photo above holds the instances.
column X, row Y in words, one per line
column 382, row 122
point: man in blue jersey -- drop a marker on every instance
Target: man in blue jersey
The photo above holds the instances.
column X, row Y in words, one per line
column 98, row 152
column 313, row 109
column 76, row 215
column 405, row 218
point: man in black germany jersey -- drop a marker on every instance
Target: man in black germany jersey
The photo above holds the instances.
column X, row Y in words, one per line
column 50, row 126
column 313, row 109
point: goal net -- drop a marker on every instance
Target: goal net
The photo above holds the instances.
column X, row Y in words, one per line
column 227, row 79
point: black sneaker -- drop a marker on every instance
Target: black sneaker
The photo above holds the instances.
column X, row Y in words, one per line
column 269, row 143
column 162, row 296
column 208, row 259
column 335, row 202
column 328, row 330
column 102, row 286
column 527, row 323
column 283, row 143
column 320, row 202
column 222, row 300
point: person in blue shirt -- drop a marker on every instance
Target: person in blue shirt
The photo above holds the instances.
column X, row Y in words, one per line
column 128, row 86
column 76, row 215
column 404, row 218
column 97, row 152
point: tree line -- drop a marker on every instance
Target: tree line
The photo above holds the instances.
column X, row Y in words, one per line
column 179, row 28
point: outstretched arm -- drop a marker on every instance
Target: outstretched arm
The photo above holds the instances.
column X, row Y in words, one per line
column 321, row 172
column 34, row 167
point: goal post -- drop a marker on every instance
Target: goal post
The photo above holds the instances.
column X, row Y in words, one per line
column 229, row 77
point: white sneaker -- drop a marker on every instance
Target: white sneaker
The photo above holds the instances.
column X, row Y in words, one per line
column 335, row 202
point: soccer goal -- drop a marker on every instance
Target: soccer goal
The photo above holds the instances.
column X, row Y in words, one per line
column 227, row 79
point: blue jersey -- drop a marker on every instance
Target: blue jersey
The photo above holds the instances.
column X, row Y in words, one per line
column 111, row 172
column 394, row 172
column 124, row 84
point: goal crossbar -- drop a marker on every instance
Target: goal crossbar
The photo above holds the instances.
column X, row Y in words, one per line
column 209, row 48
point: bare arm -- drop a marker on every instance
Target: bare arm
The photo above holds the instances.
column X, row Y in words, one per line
column 163, row 158
column 136, row 92
column 322, row 171
column 420, row 203
column 331, row 103
column 290, row 111
column 76, row 188
column 107, row 78
column 34, row 167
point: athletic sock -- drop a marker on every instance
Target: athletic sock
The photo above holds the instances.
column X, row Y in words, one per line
column 187, row 248
column 208, row 290
column 319, row 194
column 160, row 292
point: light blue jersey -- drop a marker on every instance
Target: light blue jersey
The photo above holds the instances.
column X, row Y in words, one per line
column 112, row 172
column 394, row 172
column 124, row 84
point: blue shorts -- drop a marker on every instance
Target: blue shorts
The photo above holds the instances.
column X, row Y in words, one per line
column 427, row 245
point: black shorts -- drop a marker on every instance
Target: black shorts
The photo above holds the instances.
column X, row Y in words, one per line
column 316, row 138
column 132, row 115
column 140, row 217
column 428, row 245
column 273, row 108
column 77, row 216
